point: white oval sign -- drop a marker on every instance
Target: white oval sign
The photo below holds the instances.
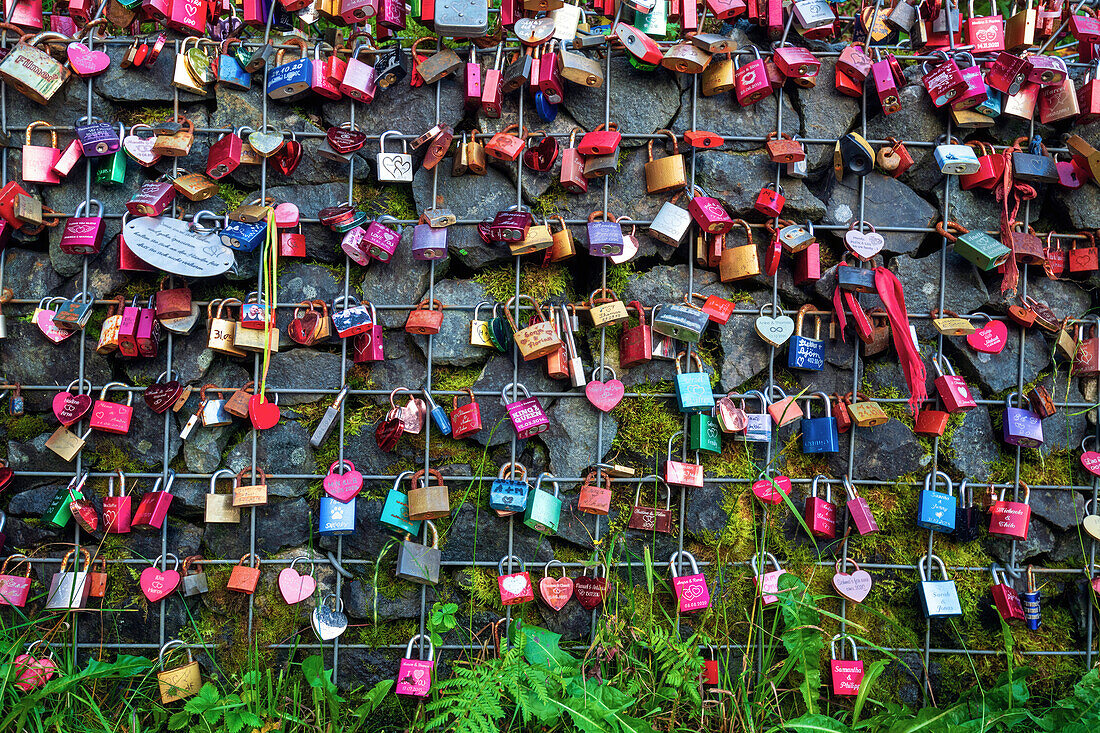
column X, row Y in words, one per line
column 170, row 245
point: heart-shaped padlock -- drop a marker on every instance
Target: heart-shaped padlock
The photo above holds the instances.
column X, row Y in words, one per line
column 589, row 590
column 69, row 407
column 853, row 586
column 343, row 486
column 990, row 338
column 775, row 330
column 329, row 622
column 864, row 245
column 156, row 583
column 288, row 157
column 85, row 61
column 604, row 396
column 771, row 490
column 162, row 395
column 294, row 586
column 265, row 143
column 262, row 412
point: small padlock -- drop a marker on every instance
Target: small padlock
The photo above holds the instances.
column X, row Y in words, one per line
column 419, row 563
column 414, row 676
column 936, row 510
column 859, row 510
column 939, row 598
column 152, row 510
column 244, row 578
column 767, row 582
column 509, row 496
column 846, row 674
column 193, row 580
column 514, row 587
column 952, row 389
column 543, row 511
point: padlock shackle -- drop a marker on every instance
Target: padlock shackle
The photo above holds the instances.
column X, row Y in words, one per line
column 107, row 387
column 167, row 484
column 545, row 568
column 931, row 479
column 500, row 565
column 76, row 566
column 173, row 644
column 672, row 438
column 164, row 565
column 677, row 558
column 518, row 387
column 111, row 486
column 843, row 638
column 1031, row 579
column 925, row 577
column 553, row 479
column 431, row 646
column 828, row 487
column 514, row 465
column 19, row 558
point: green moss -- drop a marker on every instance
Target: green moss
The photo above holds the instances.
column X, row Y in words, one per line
column 551, row 202
column 112, row 457
column 24, row 427
column 144, row 114
column 451, row 379
column 231, row 195
column 619, row 276
column 534, row 280
column 646, row 422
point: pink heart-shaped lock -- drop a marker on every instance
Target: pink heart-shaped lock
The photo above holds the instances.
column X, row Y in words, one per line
column 864, row 245
column 33, row 672
column 768, row 491
column 853, row 586
column 263, row 413
column 69, row 407
column 1090, row 459
column 286, row 215
column 605, row 395
column 990, row 338
column 140, row 149
column 343, row 486
column 85, row 61
column 44, row 320
column 294, row 586
column 156, row 583
column 556, row 591
column 412, row 415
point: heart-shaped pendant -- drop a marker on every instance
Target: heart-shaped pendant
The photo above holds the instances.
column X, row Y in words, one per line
column 345, row 141
column 156, row 583
column 775, row 330
column 864, row 245
column 288, row 157
column 295, row 587
column 33, row 672
column 265, row 143
column 412, row 415
column 1090, row 459
column 343, row 486
column 44, row 320
column 768, row 489
column 69, row 407
column 1092, row 526
column 990, row 338
column 84, row 513
column 604, row 395
column 263, row 413
column 556, row 592
column 85, row 61
column 140, row 149
column 162, row 395
column 329, row 622
column 852, row 586
column 589, row 591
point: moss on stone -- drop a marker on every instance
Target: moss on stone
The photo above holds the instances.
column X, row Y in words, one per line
column 646, row 422
column 23, row 428
column 534, row 280
column 231, row 195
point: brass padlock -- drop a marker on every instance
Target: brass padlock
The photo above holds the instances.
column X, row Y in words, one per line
column 866, row 413
column 176, row 144
column 428, row 502
column 220, row 329
column 179, row 682
column 607, row 310
column 665, row 174
column 246, row 495
column 740, row 262
column 951, row 324
column 219, row 507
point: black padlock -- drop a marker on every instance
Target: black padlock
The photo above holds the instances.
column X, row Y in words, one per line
column 391, row 67
column 856, row 154
column 1034, row 167
column 516, row 74
column 966, row 515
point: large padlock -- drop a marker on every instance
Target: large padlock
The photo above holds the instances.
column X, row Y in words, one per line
column 605, row 236
column 33, row 72
column 426, row 318
column 936, row 510
column 1030, row 602
column 74, row 313
column 692, row 593
column 419, row 563
column 526, row 414
column 664, row 174
column 181, row 682
column 681, row 321
column 539, row 338
column 221, row 328
column 353, row 318
column 395, row 511
column 1011, row 518
column 336, row 512
column 607, row 309
column 117, row 509
column 427, row 500
column 708, row 212
column 1021, row 426
column 938, row 598
column 393, row 167
column 112, row 417
column 543, row 508
column 954, row 159
column 866, row 413
column 429, row 242
column 977, row 247
column 360, row 80
column 152, row 510
column 819, row 434
column 846, row 674
column 465, row 419
column 83, row 235
column 509, row 495
column 693, row 389
column 651, row 519
column 69, row 588
column 767, row 581
column 952, row 389
column 414, row 676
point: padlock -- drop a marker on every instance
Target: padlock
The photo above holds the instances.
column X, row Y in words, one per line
column 395, row 512
column 351, row 319
column 1083, row 259
column 429, row 243
column 14, row 588
column 952, row 389
column 360, row 79
column 59, row 512
column 651, row 519
column 33, row 72
column 539, row 338
column 606, row 310
column 703, row 433
column 220, row 328
column 504, row 145
column 74, row 313
column 249, row 495
column 428, row 501
column 112, row 417
column 193, row 580
column 509, row 495
column 949, row 323
column 244, row 578
column 69, row 588
column 594, row 498
column 664, row 174
column 117, row 510
column 708, row 212
column 514, row 587
column 219, row 507
column 731, row 418
column 820, row 514
column 1030, row 601
column 693, row 389
column 670, row 224
column 39, row 160
column 543, row 511
column 178, row 143
column 465, row 419
column 681, row 473
column 846, row 674
column 605, row 236
column 1027, row 247
column 819, row 434
column 152, row 510
column 967, row 515
column 419, row 563
column 1011, row 518
column 65, row 443
column 1005, row 597
column 1020, row 425
column 751, row 80
column 1042, row 402
column 1035, row 165
column 954, row 159
column 426, row 318
column 636, row 342
column 859, row 510
column 414, row 676
column 931, row 423
column 379, row 240
column 336, row 514
column 936, row 510
column 681, row 321
column 804, row 352
column 938, row 598
column 692, row 593
column 785, row 410
column 767, row 582
column 976, row 247
column 393, row 167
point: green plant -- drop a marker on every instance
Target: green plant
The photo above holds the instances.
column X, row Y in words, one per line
column 440, row 620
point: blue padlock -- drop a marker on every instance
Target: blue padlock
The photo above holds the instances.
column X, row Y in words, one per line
column 758, row 428
column 243, row 236
column 395, row 512
column 230, row 71
column 819, row 434
column 439, row 416
column 991, row 107
column 292, row 78
column 693, row 392
column 1029, row 600
column 935, row 509
column 509, row 495
column 805, row 352
column 336, row 517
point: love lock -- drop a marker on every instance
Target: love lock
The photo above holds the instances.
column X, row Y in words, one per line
column 328, row 619
column 542, row 155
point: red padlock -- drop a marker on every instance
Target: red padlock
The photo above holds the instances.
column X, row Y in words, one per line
column 465, row 419
column 117, row 510
column 770, row 200
column 112, row 417
column 847, row 674
column 820, row 514
column 1005, row 597
column 1011, row 518
column 952, row 389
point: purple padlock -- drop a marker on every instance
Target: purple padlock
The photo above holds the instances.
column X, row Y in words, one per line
column 380, row 242
column 152, row 510
column 605, row 238
column 429, row 243
column 97, row 138
column 527, row 415
column 691, row 590
column 1021, row 426
column 352, row 244
column 83, row 235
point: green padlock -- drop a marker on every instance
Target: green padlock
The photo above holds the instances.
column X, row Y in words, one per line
column 58, row 512
column 112, row 169
column 654, row 23
column 543, row 508
column 500, row 331
column 703, row 433
column 976, row 247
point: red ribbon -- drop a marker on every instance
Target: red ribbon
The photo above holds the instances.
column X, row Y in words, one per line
column 862, row 322
column 1007, row 188
column 912, row 365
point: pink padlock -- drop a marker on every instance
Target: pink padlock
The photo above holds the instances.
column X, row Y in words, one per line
column 847, row 674
column 117, row 510
column 975, row 91
column 767, row 584
column 112, row 417
column 1011, row 518
column 380, row 242
column 153, row 198
column 708, row 212
column 320, row 82
column 414, row 676
column 352, row 244
column 15, row 588
column 187, row 17
column 127, row 260
column 860, row 510
column 83, row 235
column 147, row 338
column 514, row 587
column 370, row 345
column 34, row 671
column 952, row 389
column 465, row 419
column 152, row 510
column 527, row 415
column 751, row 82
column 691, row 590
column 127, row 329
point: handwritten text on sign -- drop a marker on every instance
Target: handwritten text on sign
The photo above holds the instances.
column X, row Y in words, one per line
column 169, row 244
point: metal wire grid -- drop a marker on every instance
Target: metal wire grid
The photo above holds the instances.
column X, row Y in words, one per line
column 339, row 560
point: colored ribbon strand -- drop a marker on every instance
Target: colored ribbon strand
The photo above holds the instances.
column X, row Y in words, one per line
column 842, row 298
column 270, row 278
column 1007, row 188
column 912, row 365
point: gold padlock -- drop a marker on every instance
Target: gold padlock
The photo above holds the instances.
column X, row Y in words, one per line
column 607, row 310
column 220, row 330
column 195, row 186
column 563, row 247
column 178, row 683
column 866, row 413
column 538, row 339
column 952, row 325
column 182, row 78
column 665, row 174
column 219, row 507
column 66, row 443
column 256, row 339
column 245, row 495
column 741, row 261
column 176, row 144
column 428, row 502
column 539, row 237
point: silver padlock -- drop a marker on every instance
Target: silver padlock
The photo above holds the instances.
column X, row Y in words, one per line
column 671, row 224
column 69, row 588
column 938, row 598
column 954, row 159
column 394, row 167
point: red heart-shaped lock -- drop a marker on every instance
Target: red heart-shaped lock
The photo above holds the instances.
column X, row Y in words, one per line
column 990, row 338
column 69, row 407
column 262, row 412
column 556, row 592
column 345, row 141
column 303, row 329
column 44, row 320
column 589, row 591
column 162, row 395
column 288, row 157
column 343, row 486
column 6, row 475
column 768, row 491
column 156, row 583
column 84, row 513
column 1090, row 459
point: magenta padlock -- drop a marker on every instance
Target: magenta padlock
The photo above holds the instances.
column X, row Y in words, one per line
column 691, row 590
column 527, row 415
column 83, row 235
column 1005, row 597
column 975, row 91
column 886, row 86
column 767, row 584
column 153, row 198
column 391, row 14
column 414, row 676
column 820, row 514
column 152, row 510
column 15, row 588
column 1008, row 73
column 224, row 155
column 319, row 81
column 751, row 80
column 859, row 510
column 986, row 33
column 147, row 338
column 708, row 212
column 1047, row 71
column 797, row 63
column 369, row 346
column 356, row 11
column 117, row 510
column 770, row 200
column 510, row 226
column 352, row 244
column 252, row 13
column 847, row 674
column 944, row 82
column 188, row 17
column 127, row 329
column 156, row 10
column 429, row 243
column 1011, row 518
column 380, row 241
column 953, row 389
column 360, row 79
column 112, row 417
